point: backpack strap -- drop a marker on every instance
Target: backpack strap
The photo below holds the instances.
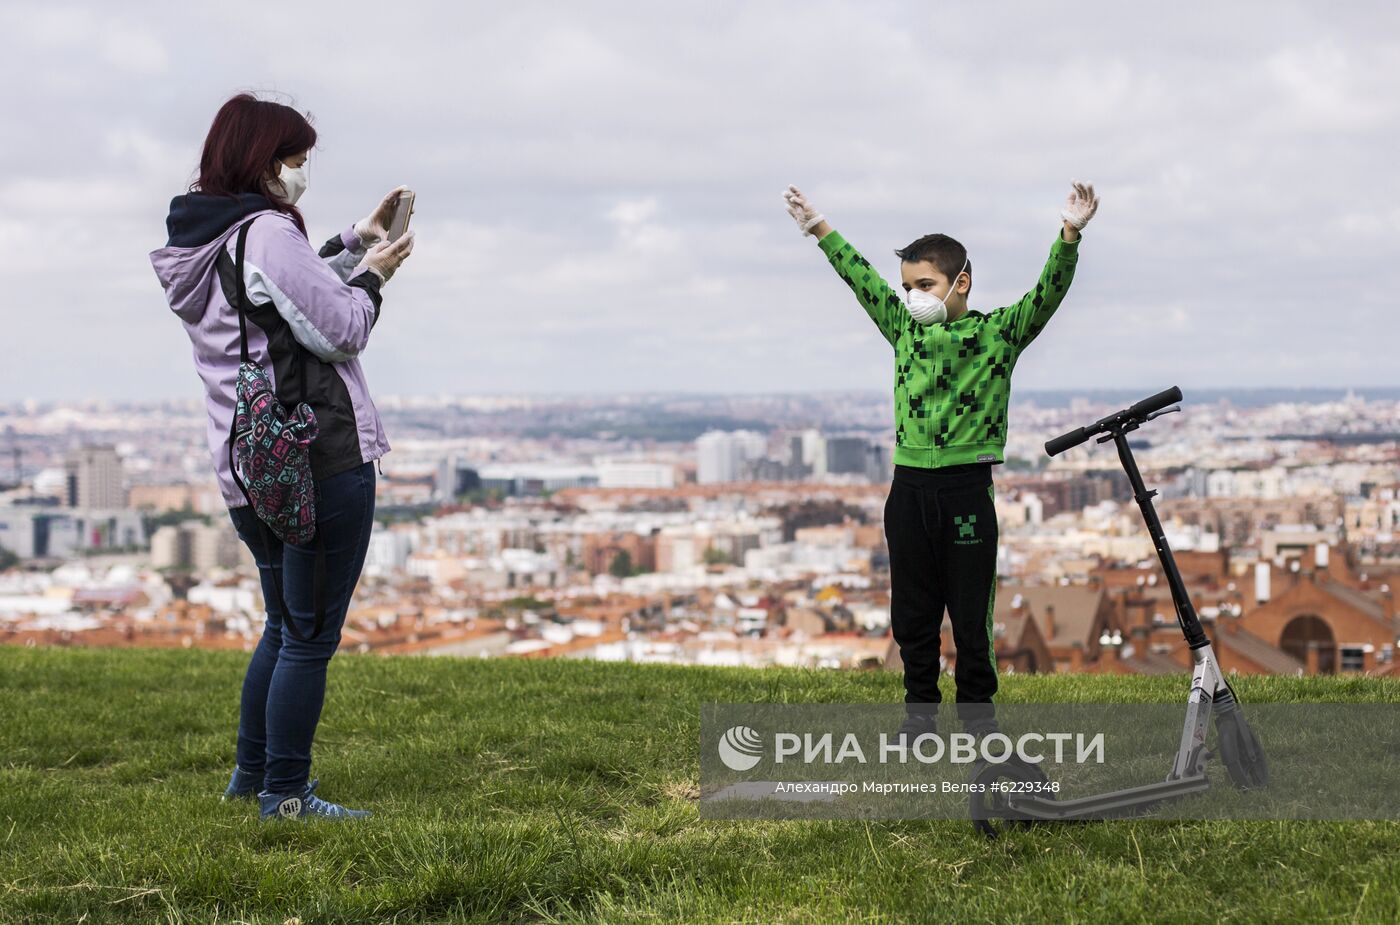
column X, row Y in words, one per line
column 242, row 291
column 318, row 583
column 242, row 300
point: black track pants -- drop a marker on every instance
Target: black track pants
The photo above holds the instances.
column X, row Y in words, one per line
column 941, row 529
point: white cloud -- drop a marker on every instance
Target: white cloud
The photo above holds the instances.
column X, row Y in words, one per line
column 1319, row 81
column 85, row 29
column 633, row 212
column 134, row 49
column 598, row 184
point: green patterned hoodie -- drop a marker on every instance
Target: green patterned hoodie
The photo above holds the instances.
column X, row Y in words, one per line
column 952, row 380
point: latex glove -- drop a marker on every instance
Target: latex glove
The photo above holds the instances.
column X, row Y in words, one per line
column 384, row 257
column 801, row 210
column 1080, row 205
column 375, row 226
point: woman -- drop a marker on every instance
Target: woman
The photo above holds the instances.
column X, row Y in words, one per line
column 309, row 315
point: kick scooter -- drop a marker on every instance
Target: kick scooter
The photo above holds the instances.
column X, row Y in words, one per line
column 1238, row 746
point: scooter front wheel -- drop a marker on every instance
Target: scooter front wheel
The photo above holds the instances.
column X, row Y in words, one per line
column 1241, row 751
column 987, row 802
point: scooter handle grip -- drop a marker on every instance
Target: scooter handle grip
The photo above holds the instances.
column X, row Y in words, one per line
column 1156, row 402
column 1066, row 441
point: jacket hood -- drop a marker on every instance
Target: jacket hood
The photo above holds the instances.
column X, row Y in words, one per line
column 198, row 225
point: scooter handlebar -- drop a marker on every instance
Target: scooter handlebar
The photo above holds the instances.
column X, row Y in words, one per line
column 1067, row 441
column 1137, row 411
column 1156, row 402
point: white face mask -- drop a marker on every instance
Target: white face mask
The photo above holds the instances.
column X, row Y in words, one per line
column 927, row 308
column 293, row 182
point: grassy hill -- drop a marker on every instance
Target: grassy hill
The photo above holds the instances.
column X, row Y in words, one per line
column 564, row 791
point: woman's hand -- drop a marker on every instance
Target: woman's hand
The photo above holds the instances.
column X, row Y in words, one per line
column 375, row 226
column 384, row 257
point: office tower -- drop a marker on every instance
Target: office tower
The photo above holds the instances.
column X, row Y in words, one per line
column 721, row 455
column 846, row 455
column 94, row 478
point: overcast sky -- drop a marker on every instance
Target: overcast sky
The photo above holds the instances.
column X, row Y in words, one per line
column 599, row 184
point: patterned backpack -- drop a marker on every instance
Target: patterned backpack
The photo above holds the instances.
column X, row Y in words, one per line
column 269, row 455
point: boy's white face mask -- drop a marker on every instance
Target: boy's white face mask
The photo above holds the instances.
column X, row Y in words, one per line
column 293, row 182
column 927, row 308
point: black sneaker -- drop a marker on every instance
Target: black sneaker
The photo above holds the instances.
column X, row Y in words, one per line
column 915, row 725
column 982, row 728
column 978, row 719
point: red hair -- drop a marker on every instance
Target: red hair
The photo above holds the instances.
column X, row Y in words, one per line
column 246, row 139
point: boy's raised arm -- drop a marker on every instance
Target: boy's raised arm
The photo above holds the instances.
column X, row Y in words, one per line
column 879, row 299
column 1028, row 317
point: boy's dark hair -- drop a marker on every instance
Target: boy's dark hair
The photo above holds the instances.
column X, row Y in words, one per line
column 946, row 254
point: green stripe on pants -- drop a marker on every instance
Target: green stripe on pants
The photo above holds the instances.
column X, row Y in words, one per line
column 991, row 603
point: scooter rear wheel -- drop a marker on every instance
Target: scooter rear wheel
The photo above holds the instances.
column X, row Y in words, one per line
column 990, row 810
column 1241, row 751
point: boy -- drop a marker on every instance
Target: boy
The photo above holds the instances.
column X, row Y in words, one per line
column 951, row 387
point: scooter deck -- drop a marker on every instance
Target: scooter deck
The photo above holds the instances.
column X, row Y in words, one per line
column 1116, row 801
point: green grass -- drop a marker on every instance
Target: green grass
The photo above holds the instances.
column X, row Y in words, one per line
column 564, row 791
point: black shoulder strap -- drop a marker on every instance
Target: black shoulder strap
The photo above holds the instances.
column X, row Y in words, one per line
column 242, row 301
column 242, row 290
column 319, row 576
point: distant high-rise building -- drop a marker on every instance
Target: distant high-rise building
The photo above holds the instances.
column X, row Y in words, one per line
column 814, row 452
column 795, row 468
column 388, row 550
column 877, row 463
column 721, row 455
column 169, row 547
column 215, row 546
column 198, row 546
column 846, row 455
column 94, row 478
column 454, row 478
column 766, row 470
column 795, row 456
column 445, row 479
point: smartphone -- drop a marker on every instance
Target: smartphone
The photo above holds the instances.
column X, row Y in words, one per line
column 402, row 211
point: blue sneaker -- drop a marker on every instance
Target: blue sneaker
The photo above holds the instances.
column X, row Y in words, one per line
column 242, row 786
column 304, row 805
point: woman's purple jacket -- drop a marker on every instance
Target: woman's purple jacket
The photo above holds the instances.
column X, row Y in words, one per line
column 306, row 311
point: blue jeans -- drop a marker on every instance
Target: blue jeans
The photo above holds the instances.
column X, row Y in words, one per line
column 286, row 681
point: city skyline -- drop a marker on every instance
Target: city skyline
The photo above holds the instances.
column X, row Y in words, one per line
column 739, row 530
column 655, row 562
column 1253, row 396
